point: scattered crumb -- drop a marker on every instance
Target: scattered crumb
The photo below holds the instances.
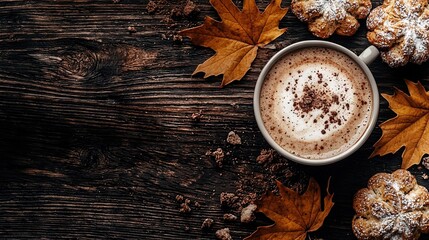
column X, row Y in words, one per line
column 197, row 204
column 151, row 7
column 223, row 234
column 177, row 38
column 179, row 198
column 196, row 116
column 425, row 162
column 219, row 155
column 184, row 208
column 190, row 9
column 247, row 214
column 266, row 156
column 233, row 138
column 207, row 224
column 187, row 228
column 116, row 1
column 229, row 217
column 228, row 200
column 425, row 176
column 176, row 13
column 132, row 29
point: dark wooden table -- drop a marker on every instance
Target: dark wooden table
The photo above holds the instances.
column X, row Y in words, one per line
column 97, row 136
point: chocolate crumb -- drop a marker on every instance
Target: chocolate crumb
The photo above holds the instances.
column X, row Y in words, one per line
column 228, row 199
column 207, row 224
column 151, row 7
column 265, row 156
column 190, row 9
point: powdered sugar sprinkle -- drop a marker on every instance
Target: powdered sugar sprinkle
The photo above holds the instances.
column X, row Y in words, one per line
column 393, row 206
column 401, row 29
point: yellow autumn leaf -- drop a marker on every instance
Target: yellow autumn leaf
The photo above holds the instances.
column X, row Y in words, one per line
column 409, row 128
column 237, row 37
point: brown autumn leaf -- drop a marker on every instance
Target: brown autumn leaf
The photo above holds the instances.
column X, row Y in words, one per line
column 409, row 128
column 237, row 37
column 294, row 215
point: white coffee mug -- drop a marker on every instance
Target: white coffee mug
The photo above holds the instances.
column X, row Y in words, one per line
column 364, row 59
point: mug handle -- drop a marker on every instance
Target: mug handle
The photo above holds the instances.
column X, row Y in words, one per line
column 369, row 54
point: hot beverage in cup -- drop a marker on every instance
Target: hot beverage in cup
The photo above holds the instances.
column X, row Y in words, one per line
column 316, row 103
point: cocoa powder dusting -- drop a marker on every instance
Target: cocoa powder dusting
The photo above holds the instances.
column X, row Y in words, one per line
column 312, row 99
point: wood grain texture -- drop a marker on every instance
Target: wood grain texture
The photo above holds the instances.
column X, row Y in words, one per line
column 96, row 131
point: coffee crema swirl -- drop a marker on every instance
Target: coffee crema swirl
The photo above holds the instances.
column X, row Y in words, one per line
column 316, row 102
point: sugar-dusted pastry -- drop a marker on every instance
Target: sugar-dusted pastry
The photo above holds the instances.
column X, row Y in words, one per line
column 400, row 28
column 326, row 17
column 393, row 206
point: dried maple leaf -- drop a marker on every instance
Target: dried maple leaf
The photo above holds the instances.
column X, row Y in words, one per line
column 236, row 39
column 294, row 215
column 409, row 128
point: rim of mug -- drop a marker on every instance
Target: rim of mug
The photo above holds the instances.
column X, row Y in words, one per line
column 306, row 44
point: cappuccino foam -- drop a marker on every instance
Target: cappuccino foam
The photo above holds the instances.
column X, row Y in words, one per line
column 316, row 102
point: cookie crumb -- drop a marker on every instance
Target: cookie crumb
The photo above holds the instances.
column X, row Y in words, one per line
column 233, row 138
column 132, row 29
column 179, row 198
column 195, row 116
column 247, row 213
column 176, row 13
column 177, row 38
column 229, row 217
column 197, row 204
column 207, row 224
column 266, row 156
column 184, row 207
column 151, row 7
column 425, row 176
column 228, row 199
column 219, row 155
column 190, row 9
column 223, row 234
column 425, row 162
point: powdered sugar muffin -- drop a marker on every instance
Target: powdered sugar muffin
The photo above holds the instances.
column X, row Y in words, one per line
column 400, row 28
column 393, row 206
column 326, row 17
